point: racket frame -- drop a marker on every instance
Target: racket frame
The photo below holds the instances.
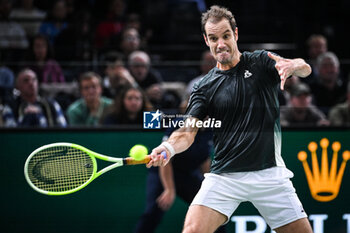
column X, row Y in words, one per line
column 93, row 155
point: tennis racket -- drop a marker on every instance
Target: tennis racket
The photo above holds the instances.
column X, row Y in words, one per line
column 64, row 168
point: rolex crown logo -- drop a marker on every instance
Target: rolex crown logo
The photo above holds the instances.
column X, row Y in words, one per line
column 324, row 183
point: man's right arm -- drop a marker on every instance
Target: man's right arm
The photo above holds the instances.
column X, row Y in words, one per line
column 179, row 141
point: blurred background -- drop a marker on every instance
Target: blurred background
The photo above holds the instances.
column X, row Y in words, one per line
column 85, row 71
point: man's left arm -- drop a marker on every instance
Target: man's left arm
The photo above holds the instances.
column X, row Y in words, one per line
column 167, row 197
column 289, row 67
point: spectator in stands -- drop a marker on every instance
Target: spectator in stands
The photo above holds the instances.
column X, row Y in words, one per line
column 284, row 96
column 139, row 64
column 28, row 16
column 120, row 79
column 134, row 21
column 41, row 60
column 7, row 80
column 109, row 63
column 130, row 41
column 55, row 22
column 128, row 108
column 88, row 110
column 300, row 111
column 317, row 45
column 7, row 118
column 206, row 64
column 151, row 82
column 30, row 109
column 117, row 76
column 112, row 25
column 339, row 115
column 12, row 34
column 328, row 88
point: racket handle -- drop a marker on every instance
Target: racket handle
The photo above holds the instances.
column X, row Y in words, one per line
column 132, row 161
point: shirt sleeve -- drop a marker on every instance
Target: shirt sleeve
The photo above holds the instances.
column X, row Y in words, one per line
column 269, row 65
column 197, row 106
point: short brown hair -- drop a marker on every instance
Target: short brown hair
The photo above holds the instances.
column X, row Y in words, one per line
column 90, row 75
column 216, row 14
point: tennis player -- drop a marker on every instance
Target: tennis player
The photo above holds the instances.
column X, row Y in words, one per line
column 241, row 91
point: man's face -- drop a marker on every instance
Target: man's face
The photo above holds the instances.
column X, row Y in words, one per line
column 221, row 40
column 139, row 68
column 131, row 40
column 27, row 84
column 317, row 47
column 91, row 89
column 119, row 77
column 113, row 68
column 328, row 70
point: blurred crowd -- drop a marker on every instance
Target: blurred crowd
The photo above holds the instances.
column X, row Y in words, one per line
column 90, row 63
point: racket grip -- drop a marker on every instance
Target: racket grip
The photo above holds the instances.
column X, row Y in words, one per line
column 132, row 161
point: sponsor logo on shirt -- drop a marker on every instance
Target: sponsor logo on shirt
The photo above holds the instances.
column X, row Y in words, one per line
column 247, row 74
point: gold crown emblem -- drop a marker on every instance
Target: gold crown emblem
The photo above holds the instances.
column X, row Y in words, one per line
column 324, row 183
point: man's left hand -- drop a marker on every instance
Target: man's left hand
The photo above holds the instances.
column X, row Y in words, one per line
column 285, row 67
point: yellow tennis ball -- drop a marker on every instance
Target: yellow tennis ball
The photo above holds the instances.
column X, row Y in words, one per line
column 138, row 152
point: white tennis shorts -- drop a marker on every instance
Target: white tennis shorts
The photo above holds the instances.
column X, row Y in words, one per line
column 269, row 190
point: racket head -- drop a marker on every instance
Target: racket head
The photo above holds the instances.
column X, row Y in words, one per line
column 60, row 168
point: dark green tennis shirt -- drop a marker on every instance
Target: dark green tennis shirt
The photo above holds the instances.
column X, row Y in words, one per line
column 245, row 99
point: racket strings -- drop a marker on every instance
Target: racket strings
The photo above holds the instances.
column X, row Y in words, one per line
column 60, row 169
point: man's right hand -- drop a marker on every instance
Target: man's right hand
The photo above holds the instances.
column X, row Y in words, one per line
column 157, row 158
